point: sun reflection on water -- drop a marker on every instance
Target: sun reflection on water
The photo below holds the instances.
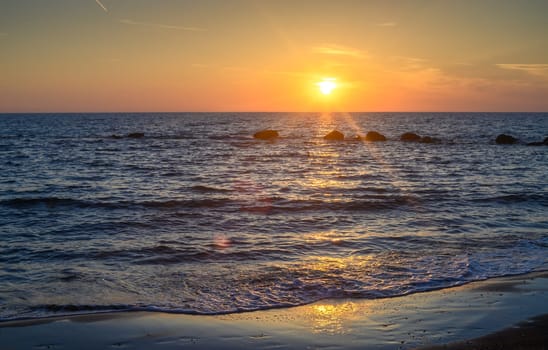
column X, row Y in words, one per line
column 330, row 237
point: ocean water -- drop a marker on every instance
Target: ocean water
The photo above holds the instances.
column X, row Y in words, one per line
column 199, row 217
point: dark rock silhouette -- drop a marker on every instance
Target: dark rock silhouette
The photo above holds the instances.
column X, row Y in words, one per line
column 334, row 136
column 504, row 139
column 410, row 137
column 374, row 136
column 266, row 135
column 540, row 143
column 136, row 135
column 114, row 136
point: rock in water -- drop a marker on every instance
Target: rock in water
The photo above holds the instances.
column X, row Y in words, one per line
column 410, row 137
column 374, row 136
column 540, row 143
column 334, row 136
column 428, row 139
column 266, row 135
column 136, row 135
column 503, row 139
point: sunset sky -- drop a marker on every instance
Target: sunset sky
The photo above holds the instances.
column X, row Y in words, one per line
column 237, row 55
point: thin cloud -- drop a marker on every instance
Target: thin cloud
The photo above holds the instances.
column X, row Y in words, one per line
column 161, row 26
column 387, row 24
column 102, row 6
column 410, row 63
column 539, row 69
column 287, row 73
column 337, row 50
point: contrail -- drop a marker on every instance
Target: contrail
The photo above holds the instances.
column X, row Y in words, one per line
column 102, row 6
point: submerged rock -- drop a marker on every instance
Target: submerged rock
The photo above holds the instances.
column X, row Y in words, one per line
column 504, row 139
column 428, row 139
column 136, row 135
column 114, row 136
column 266, row 135
column 334, row 136
column 374, row 136
column 410, row 137
column 540, row 143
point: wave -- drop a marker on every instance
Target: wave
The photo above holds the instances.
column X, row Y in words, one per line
column 362, row 203
column 184, row 203
column 24, row 203
column 212, row 255
column 222, row 286
column 232, row 200
column 209, row 189
column 305, row 294
column 539, row 198
column 43, row 201
column 137, row 136
column 79, row 308
column 213, row 251
column 262, row 204
column 56, row 310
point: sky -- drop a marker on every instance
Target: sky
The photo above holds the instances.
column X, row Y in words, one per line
column 243, row 55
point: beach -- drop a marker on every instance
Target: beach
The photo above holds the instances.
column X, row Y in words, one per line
column 428, row 320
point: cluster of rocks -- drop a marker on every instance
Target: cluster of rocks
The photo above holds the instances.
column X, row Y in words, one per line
column 371, row 136
column 335, row 135
column 374, row 136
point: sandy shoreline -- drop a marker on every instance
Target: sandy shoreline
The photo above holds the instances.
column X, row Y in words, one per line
column 422, row 320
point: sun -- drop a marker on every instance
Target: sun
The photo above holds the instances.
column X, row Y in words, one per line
column 327, row 85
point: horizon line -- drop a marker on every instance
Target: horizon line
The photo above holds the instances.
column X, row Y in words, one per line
column 263, row 112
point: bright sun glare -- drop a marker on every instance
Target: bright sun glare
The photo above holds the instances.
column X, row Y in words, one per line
column 327, row 85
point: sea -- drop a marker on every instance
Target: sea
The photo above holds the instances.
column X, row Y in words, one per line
column 199, row 217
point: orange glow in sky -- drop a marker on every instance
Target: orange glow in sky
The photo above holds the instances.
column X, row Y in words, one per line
column 245, row 55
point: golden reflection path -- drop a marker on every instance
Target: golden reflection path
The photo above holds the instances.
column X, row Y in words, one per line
column 332, row 318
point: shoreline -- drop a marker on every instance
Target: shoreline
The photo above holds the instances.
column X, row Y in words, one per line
column 485, row 311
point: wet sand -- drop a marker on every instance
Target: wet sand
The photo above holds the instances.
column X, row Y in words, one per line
column 503, row 313
column 528, row 335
